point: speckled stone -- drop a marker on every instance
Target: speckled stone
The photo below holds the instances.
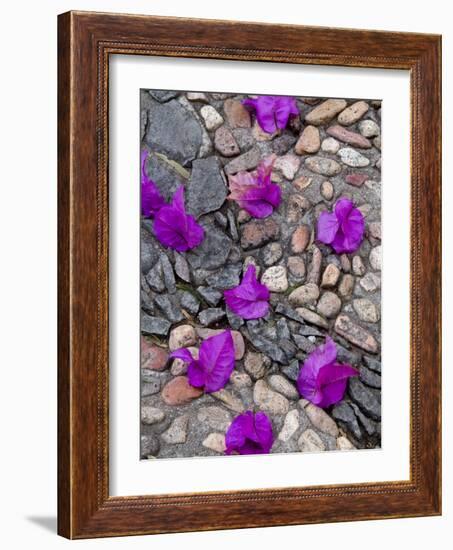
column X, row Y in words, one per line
column 275, row 278
column 211, row 117
column 325, row 112
column 309, row 141
column 329, row 304
column 290, row 426
column 310, row 442
column 353, row 113
column 269, row 400
column 305, row 294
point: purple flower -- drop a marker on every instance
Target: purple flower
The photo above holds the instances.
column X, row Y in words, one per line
column 343, row 229
column 214, row 365
column 176, row 229
column 272, row 111
column 321, row 379
column 249, row 434
column 254, row 191
column 250, row 299
column 151, row 198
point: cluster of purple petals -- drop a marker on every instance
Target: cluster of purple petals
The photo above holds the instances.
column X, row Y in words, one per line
column 254, row 191
column 272, row 112
column 173, row 227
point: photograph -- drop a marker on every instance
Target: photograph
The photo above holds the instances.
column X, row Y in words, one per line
column 238, row 307
column 260, row 266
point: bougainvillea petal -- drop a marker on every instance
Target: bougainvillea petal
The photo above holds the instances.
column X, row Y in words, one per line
column 254, row 191
column 272, row 112
column 342, row 209
column 264, row 112
column 330, row 394
column 151, row 199
column 250, row 299
column 182, row 353
column 175, row 228
column 353, row 228
column 264, row 169
column 327, row 227
column 217, row 360
column 325, row 354
column 214, row 365
column 263, row 428
column 259, row 202
column 196, row 374
column 249, row 433
column 285, row 107
column 335, row 372
column 321, row 379
column 342, row 229
column 332, row 380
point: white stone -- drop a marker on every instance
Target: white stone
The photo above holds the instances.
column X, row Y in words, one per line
column 275, row 278
column 212, row 118
column 310, row 442
column 321, row 420
column 197, row 96
column 376, row 258
column 353, row 113
column 374, row 185
column 370, row 282
column 215, row 417
column 177, row 432
column 365, row 209
column 304, row 294
column 182, row 337
column 366, row 310
column 290, row 426
column 368, row 128
column 329, row 304
column 287, row 165
column 330, row 276
column 151, row 415
column 256, row 364
column 269, row 400
column 229, row 400
column 282, row 385
column 327, row 190
column 343, row 444
column 240, row 380
column 353, row 158
column 358, row 267
column 330, row 145
column 215, row 442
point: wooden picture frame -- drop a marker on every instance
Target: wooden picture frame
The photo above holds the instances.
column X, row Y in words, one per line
column 85, row 41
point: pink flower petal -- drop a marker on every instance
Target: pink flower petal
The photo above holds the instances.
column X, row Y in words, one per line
column 321, row 380
column 327, row 227
column 250, row 299
column 249, row 433
column 176, row 229
column 182, row 353
column 273, row 112
column 196, row 374
column 254, row 191
column 214, row 365
column 151, row 199
column 342, row 229
column 216, row 358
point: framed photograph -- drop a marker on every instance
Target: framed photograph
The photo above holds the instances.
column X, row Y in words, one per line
column 249, row 275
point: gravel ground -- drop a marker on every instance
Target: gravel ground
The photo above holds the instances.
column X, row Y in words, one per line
column 333, row 150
